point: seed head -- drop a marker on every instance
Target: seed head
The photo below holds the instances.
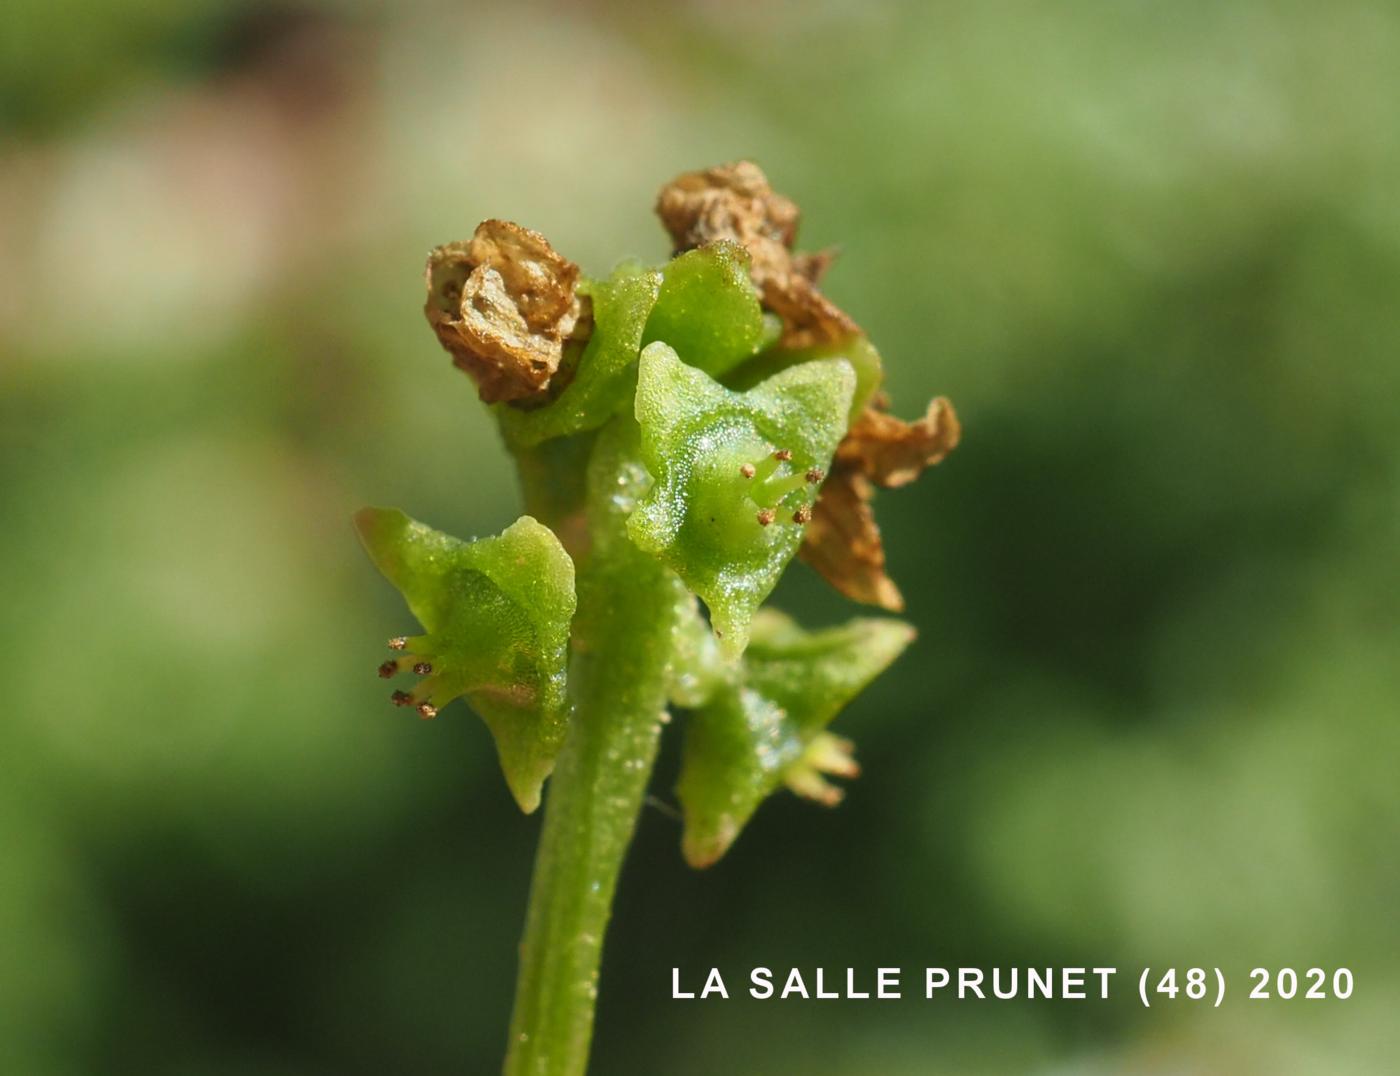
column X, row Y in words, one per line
column 422, row 668
column 398, row 642
column 803, row 514
column 783, row 455
column 815, row 475
column 748, row 470
column 427, row 711
column 388, row 669
column 401, row 698
column 766, row 516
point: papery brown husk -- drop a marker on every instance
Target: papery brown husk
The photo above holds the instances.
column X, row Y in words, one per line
column 504, row 304
column 843, row 541
column 735, row 201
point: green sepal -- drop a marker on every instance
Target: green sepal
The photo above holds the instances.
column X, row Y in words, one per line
column 769, row 727
column 702, row 515
column 496, row 613
column 708, row 309
column 857, row 350
column 606, row 376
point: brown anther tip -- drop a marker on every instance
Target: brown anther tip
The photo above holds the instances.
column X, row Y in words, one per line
column 427, row 710
column 766, row 516
column 401, row 698
column 388, row 669
column 803, row 514
column 748, row 470
column 783, row 455
column 422, row 668
column 398, row 642
column 815, row 475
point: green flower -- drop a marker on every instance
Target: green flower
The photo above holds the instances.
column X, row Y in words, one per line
column 606, row 376
column 496, row 613
column 708, row 309
column 766, row 727
column 735, row 474
column 857, row 350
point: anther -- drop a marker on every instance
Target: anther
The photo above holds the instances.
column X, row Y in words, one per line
column 815, row 475
column 803, row 514
column 388, row 669
column 398, row 642
column 783, row 455
column 748, row 470
column 766, row 516
column 427, row 710
column 422, row 668
column 401, row 698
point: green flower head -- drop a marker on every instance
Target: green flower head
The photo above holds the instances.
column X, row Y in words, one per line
column 767, row 728
column 496, row 614
column 735, row 476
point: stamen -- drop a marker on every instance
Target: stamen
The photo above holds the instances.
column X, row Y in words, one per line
column 388, row 669
column 803, row 514
column 422, row 668
column 766, row 516
column 769, row 487
column 401, row 698
column 809, row 783
column 427, row 711
column 398, row 642
column 775, row 489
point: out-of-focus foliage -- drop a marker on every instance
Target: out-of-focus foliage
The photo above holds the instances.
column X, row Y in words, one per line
column 1149, row 250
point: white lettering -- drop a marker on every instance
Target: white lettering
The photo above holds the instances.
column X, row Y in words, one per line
column 794, row 985
column 997, row 987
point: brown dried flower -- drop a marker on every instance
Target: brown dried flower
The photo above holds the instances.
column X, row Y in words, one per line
column 842, row 542
column 734, row 201
column 891, row 452
column 504, row 304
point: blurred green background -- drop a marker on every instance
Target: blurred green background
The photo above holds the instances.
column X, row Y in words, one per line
column 1152, row 252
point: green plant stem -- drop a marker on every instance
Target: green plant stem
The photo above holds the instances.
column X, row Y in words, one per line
column 623, row 641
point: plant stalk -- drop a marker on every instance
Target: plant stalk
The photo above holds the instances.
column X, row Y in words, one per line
column 623, row 641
